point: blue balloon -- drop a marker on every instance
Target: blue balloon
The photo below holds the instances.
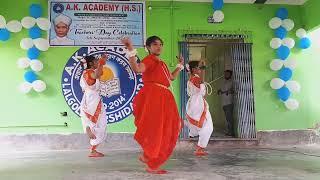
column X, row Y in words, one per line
column 304, row 43
column 282, row 13
column 35, row 32
column 281, row 32
column 283, row 93
column 283, row 52
column 4, row 35
column 33, row 53
column 30, row 76
column 217, row 4
column 35, row 10
column 285, row 74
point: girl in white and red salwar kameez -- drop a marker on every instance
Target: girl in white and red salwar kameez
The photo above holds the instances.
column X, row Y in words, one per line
column 197, row 112
column 93, row 114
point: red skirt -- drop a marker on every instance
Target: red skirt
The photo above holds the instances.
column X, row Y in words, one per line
column 158, row 123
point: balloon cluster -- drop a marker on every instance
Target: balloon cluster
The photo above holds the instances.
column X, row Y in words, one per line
column 218, row 15
column 13, row 26
column 304, row 42
column 283, row 64
column 34, row 44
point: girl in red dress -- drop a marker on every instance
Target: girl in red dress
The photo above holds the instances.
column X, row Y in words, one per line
column 154, row 108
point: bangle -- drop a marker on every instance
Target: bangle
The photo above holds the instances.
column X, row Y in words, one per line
column 132, row 53
column 180, row 66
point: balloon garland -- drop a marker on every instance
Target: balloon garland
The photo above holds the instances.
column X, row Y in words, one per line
column 283, row 85
column 34, row 45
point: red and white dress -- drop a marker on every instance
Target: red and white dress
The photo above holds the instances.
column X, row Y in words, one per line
column 198, row 114
column 93, row 114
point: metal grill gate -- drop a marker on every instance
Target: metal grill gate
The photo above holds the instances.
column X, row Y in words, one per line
column 243, row 85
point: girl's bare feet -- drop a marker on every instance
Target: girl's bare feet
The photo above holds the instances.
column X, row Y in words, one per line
column 156, row 171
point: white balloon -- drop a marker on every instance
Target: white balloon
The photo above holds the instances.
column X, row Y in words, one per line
column 293, row 86
column 3, row 22
column 25, row 87
column 275, row 43
column 288, row 24
column 39, row 86
column 28, row 22
column 23, row 62
column 275, row 22
column 290, row 63
column 43, row 23
column 301, row 33
column 218, row 16
column 292, row 104
column 26, row 43
column 36, row 65
column 41, row 44
column 277, row 83
column 289, row 42
column 14, row 26
column 276, row 64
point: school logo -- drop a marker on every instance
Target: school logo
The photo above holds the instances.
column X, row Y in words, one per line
column 118, row 83
column 58, row 8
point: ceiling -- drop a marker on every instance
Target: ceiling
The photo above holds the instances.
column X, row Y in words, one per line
column 291, row 2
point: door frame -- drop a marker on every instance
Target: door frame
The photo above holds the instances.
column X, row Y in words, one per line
column 184, row 50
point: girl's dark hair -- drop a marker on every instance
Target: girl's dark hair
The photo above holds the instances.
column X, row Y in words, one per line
column 193, row 64
column 152, row 39
column 229, row 71
column 89, row 60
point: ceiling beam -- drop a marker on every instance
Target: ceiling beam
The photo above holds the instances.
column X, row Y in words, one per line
column 260, row 1
column 290, row 2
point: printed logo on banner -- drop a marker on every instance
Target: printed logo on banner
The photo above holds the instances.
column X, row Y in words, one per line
column 119, row 84
column 58, row 8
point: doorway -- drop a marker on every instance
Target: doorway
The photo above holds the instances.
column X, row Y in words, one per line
column 221, row 55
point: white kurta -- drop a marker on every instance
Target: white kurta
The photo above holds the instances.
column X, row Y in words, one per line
column 62, row 41
column 89, row 103
column 195, row 108
column 227, row 98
